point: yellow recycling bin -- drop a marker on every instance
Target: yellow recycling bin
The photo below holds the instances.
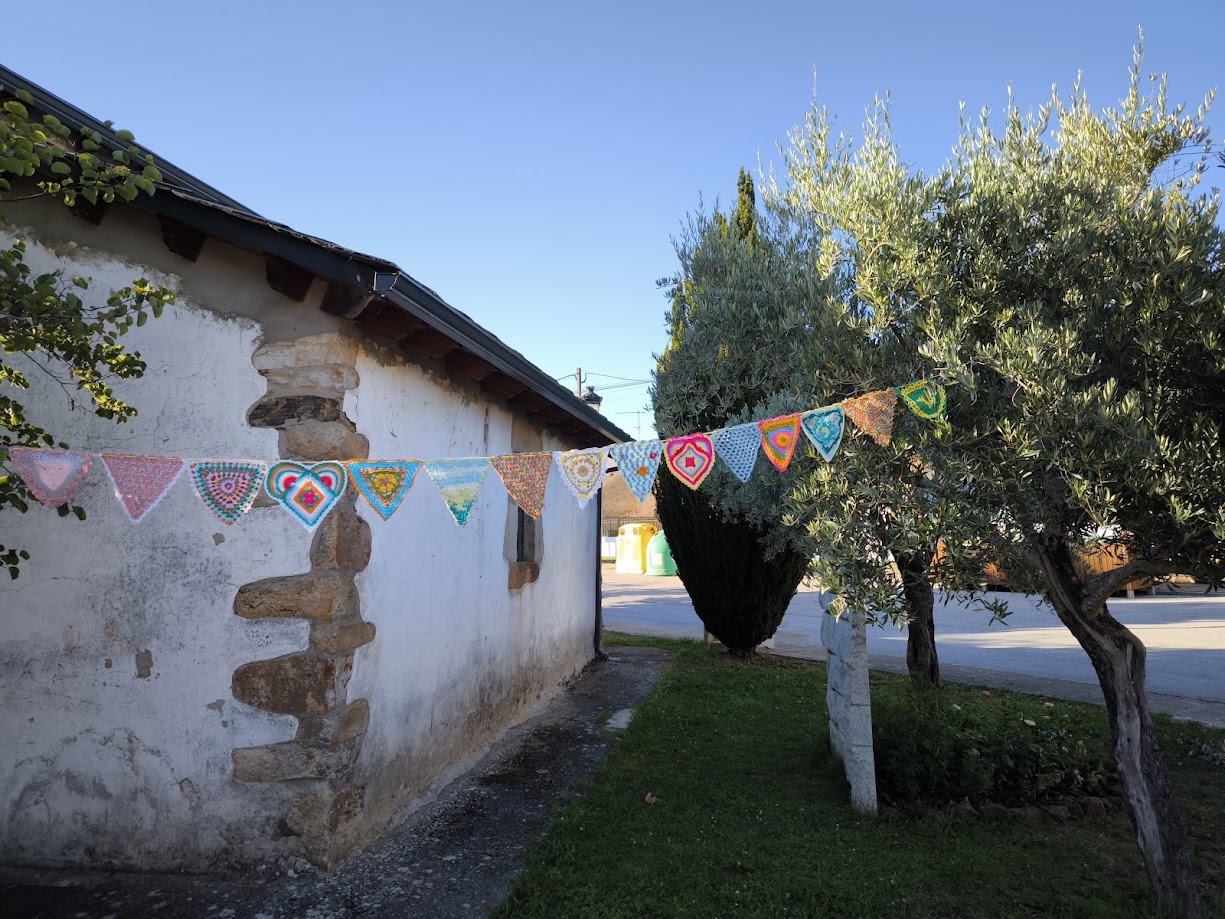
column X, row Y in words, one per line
column 632, row 541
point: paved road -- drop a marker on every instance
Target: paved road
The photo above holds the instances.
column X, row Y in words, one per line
column 1184, row 633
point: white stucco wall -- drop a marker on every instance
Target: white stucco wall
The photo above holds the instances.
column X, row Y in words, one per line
column 103, row 764
column 100, row 765
column 457, row 656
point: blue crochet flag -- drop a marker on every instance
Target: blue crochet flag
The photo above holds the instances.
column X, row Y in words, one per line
column 459, row 482
column 738, row 447
column 824, row 427
column 638, row 463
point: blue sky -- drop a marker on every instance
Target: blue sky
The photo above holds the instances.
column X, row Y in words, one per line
column 531, row 162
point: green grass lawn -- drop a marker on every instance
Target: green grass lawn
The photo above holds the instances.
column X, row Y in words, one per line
column 752, row 819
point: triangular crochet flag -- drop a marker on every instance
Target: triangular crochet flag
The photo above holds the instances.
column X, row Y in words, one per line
column 141, row 481
column 307, row 492
column 779, row 438
column 690, row 458
column 582, row 471
column 926, row 398
column 638, row 463
column 459, row 482
column 525, row 475
column 738, row 447
column 383, row 483
column 52, row 475
column 227, row 487
column 824, row 427
column 873, row 414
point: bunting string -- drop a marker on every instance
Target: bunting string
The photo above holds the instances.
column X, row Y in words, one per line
column 308, row 492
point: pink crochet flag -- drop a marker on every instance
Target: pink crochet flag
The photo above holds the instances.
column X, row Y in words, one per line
column 141, row 481
column 52, row 475
column 690, row 458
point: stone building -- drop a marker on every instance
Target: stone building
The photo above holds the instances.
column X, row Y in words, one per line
column 181, row 694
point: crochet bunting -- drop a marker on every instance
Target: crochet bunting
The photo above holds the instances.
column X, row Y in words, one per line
column 926, row 398
column 582, row 471
column 226, row 487
column 824, row 427
column 459, row 482
column 526, row 476
column 383, row 483
column 873, row 414
column 738, row 447
column 141, row 481
column 779, row 437
column 690, row 458
column 308, row 493
column 638, row 463
column 52, row 475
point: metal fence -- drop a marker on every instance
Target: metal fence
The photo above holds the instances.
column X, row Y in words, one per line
column 610, row 525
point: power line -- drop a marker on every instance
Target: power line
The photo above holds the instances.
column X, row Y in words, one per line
column 609, row 376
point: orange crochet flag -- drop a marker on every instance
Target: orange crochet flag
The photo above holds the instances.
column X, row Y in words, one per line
column 873, row 414
column 525, row 476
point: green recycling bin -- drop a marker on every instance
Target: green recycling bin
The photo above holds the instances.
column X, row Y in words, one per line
column 659, row 556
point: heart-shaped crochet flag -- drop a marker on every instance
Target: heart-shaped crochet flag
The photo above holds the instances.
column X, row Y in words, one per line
column 638, row 463
column 383, row 483
column 824, row 427
column 227, row 488
column 52, row 475
column 307, row 492
column 690, row 458
column 779, row 437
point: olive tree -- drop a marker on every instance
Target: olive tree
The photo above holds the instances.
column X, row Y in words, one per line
column 1065, row 273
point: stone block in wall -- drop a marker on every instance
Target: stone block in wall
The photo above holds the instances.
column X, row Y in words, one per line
column 286, row 762
column 278, row 411
column 327, row 824
column 339, row 637
column 318, row 596
column 314, row 441
column 337, row 726
column 295, row 684
column 342, row 542
column 314, row 378
column 310, row 350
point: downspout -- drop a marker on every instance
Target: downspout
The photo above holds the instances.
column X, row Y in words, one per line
column 600, row 653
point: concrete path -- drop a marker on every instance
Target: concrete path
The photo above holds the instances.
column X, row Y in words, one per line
column 455, row 857
column 1031, row 651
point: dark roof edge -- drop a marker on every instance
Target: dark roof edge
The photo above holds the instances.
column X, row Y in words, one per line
column 419, row 301
column 50, row 104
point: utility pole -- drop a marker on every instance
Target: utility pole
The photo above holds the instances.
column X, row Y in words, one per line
column 578, row 381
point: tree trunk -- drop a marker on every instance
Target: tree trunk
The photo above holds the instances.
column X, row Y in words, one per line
column 1118, row 656
column 921, row 659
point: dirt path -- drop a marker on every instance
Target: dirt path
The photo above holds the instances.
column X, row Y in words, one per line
column 454, row 857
